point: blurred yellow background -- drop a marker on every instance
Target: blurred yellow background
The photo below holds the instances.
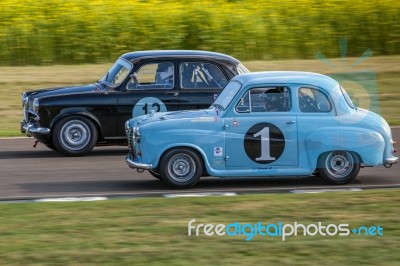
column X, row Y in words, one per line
column 86, row 31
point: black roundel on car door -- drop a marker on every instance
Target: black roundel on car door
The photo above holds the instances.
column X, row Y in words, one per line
column 264, row 143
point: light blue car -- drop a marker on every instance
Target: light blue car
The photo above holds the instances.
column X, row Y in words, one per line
column 263, row 124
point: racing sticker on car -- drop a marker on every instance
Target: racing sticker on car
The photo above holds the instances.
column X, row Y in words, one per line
column 146, row 105
column 218, row 151
column 204, row 119
column 235, row 122
column 264, row 143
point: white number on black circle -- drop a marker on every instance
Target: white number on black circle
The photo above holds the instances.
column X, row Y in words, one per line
column 265, row 145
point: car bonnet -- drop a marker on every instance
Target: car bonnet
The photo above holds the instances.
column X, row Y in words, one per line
column 62, row 91
column 154, row 117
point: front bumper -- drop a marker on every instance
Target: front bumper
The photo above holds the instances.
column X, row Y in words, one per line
column 137, row 165
column 31, row 129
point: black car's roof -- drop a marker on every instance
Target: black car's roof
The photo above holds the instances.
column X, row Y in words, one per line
column 133, row 56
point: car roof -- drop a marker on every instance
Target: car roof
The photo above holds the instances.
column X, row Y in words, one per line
column 286, row 77
column 133, row 56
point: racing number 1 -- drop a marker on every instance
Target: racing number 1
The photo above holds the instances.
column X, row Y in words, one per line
column 272, row 143
column 265, row 145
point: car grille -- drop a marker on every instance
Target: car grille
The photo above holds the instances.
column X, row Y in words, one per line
column 25, row 110
column 131, row 143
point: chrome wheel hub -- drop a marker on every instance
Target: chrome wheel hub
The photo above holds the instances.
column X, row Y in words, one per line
column 75, row 135
column 181, row 167
column 339, row 164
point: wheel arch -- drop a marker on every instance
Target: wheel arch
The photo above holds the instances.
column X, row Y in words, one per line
column 358, row 157
column 368, row 145
column 77, row 112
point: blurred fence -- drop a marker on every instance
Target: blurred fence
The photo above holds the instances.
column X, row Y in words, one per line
column 90, row 31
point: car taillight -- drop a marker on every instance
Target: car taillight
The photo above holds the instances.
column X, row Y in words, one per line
column 394, row 146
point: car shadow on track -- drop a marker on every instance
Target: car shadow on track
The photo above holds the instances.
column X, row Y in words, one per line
column 153, row 186
column 100, row 152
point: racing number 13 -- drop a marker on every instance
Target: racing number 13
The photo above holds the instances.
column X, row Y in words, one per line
column 153, row 105
column 265, row 145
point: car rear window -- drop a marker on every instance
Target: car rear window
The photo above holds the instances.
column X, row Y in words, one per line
column 313, row 101
column 201, row 75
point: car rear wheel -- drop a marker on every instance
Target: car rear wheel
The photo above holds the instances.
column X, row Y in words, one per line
column 74, row 136
column 338, row 167
column 181, row 168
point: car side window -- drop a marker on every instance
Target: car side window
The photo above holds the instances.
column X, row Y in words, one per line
column 201, row 75
column 271, row 99
column 313, row 101
column 153, row 75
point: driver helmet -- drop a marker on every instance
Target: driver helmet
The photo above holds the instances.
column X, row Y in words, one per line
column 274, row 100
column 165, row 71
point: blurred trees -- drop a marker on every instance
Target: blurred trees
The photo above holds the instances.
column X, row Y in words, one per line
column 91, row 31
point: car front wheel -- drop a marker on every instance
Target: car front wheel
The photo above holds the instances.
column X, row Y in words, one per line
column 155, row 174
column 74, row 136
column 338, row 167
column 181, row 168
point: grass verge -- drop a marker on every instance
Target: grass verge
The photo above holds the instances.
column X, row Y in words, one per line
column 153, row 231
column 384, row 77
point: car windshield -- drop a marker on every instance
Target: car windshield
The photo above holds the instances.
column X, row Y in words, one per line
column 227, row 94
column 117, row 73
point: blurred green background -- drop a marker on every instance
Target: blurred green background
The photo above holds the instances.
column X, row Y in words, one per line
column 84, row 31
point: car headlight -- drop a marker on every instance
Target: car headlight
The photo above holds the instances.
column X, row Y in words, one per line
column 24, row 98
column 136, row 133
column 35, row 105
column 127, row 128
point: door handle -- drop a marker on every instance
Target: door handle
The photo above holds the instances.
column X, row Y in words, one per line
column 174, row 93
column 290, row 122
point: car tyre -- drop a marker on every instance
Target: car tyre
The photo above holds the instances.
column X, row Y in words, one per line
column 338, row 167
column 155, row 174
column 74, row 136
column 50, row 146
column 181, row 168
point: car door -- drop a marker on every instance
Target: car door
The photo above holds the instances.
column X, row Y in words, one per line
column 152, row 86
column 262, row 133
column 317, row 123
column 200, row 83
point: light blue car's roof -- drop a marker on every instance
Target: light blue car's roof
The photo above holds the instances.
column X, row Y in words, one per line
column 285, row 77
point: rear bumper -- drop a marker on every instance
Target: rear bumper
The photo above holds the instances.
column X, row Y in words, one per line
column 392, row 160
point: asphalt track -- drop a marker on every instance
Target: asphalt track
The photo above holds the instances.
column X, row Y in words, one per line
column 32, row 173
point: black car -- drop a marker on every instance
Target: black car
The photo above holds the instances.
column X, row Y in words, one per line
column 72, row 120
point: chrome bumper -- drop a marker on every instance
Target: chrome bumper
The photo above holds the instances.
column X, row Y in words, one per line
column 392, row 160
column 133, row 164
column 30, row 129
